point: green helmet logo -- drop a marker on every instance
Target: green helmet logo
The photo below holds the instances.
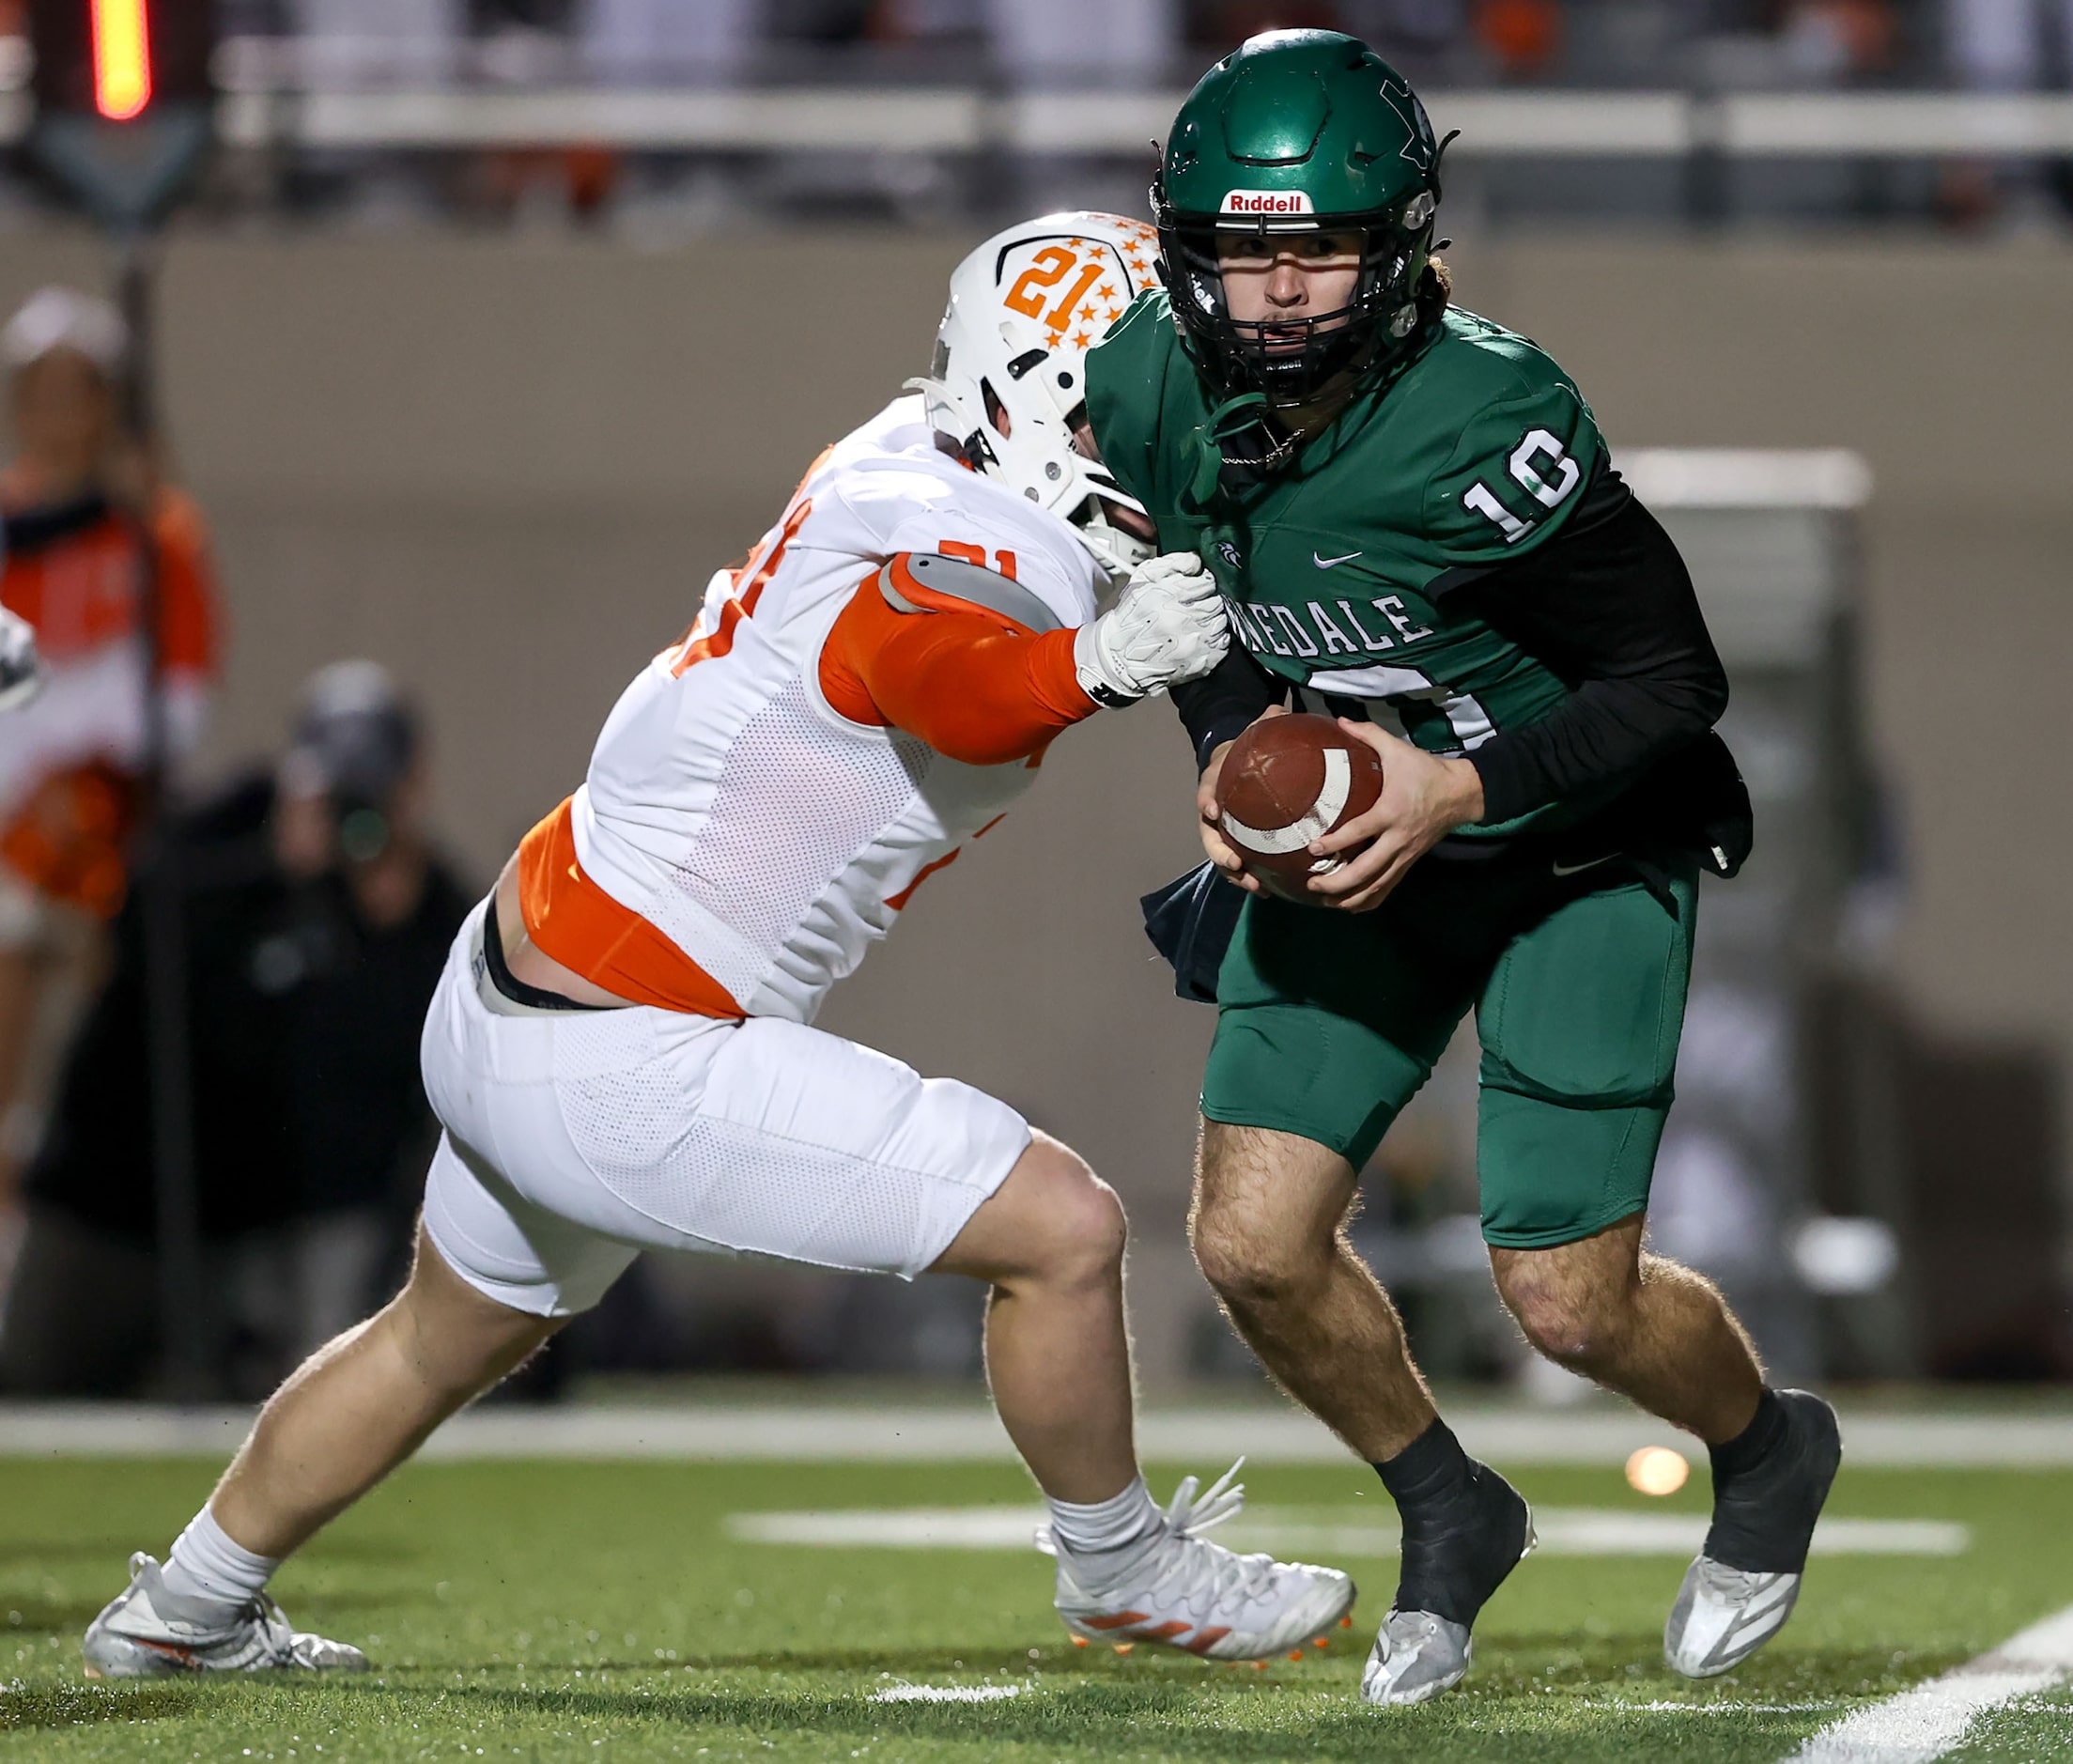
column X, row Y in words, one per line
column 1419, row 149
column 1298, row 131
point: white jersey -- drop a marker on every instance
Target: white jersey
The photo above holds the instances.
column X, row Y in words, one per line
column 766, row 837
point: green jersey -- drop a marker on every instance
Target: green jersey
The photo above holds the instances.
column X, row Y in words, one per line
column 1336, row 565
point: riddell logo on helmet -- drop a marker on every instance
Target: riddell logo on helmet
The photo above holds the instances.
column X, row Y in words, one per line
column 1267, row 202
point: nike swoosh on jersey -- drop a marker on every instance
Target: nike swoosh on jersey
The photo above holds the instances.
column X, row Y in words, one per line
column 1576, row 869
column 1327, row 562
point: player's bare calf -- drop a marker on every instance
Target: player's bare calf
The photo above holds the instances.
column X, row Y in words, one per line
column 1659, row 1334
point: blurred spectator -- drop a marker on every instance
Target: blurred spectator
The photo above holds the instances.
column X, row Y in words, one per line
column 372, row 910
column 821, row 20
column 375, row 42
column 644, row 42
column 317, row 918
column 70, row 762
column 548, row 18
column 1220, row 25
column 1419, row 38
column 2000, row 45
column 550, row 184
column 348, row 44
column 1522, row 38
column 1113, row 42
column 2005, row 46
column 910, row 21
column 1835, row 42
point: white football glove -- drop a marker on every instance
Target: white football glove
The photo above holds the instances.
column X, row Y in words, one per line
column 20, row 678
column 1168, row 625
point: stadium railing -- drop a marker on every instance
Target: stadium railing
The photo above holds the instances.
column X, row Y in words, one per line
column 963, row 119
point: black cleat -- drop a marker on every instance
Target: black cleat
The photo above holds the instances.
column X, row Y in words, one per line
column 1737, row 1594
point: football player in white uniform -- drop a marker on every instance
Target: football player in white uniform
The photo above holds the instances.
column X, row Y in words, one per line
column 622, row 1052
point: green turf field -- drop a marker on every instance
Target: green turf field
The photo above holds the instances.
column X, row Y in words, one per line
column 566, row 1610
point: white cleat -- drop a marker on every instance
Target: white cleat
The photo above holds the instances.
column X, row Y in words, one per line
column 1183, row 1591
column 149, row 1633
column 1722, row 1614
column 1417, row 1655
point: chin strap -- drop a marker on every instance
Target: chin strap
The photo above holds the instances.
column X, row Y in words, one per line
column 1206, row 457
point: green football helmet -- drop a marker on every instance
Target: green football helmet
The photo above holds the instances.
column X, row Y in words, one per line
column 1298, row 131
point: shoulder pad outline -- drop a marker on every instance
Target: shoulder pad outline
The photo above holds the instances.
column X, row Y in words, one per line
column 953, row 578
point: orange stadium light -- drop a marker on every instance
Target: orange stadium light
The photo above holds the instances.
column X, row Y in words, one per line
column 119, row 61
column 122, row 58
column 125, row 102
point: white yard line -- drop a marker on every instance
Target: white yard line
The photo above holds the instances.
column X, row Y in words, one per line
column 1921, row 1724
column 1725, row 1706
column 820, row 1431
column 1324, row 1531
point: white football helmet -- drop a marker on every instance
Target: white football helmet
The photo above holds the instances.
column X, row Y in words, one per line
column 1025, row 308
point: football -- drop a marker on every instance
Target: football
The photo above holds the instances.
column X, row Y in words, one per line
column 1285, row 781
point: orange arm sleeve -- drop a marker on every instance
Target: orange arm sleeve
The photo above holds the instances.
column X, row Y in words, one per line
column 974, row 687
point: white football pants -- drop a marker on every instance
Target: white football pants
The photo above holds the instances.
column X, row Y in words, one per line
column 575, row 1139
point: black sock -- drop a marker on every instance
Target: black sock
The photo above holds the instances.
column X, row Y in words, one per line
column 1464, row 1525
column 1753, row 1444
column 1429, row 1468
column 1770, row 1481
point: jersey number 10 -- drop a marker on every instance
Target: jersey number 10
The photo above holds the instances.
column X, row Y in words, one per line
column 1539, row 446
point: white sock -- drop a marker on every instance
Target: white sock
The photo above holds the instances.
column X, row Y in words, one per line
column 206, row 1565
column 1111, row 1529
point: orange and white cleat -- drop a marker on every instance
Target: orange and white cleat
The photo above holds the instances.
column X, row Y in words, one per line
column 147, row 1634
column 1184, row 1591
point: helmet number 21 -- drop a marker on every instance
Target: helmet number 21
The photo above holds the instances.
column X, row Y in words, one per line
column 1539, row 465
column 1050, row 267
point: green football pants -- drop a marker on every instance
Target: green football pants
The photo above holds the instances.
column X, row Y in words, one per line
column 1328, row 1023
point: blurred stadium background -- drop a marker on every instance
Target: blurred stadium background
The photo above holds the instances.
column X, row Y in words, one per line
column 492, row 329
column 485, row 331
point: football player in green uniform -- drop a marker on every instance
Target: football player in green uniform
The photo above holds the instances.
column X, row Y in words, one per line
column 1415, row 525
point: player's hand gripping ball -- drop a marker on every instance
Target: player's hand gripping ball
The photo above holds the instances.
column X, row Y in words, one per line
column 1285, row 781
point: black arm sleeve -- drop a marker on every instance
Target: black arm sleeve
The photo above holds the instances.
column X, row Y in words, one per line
column 1215, row 709
column 1608, row 606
